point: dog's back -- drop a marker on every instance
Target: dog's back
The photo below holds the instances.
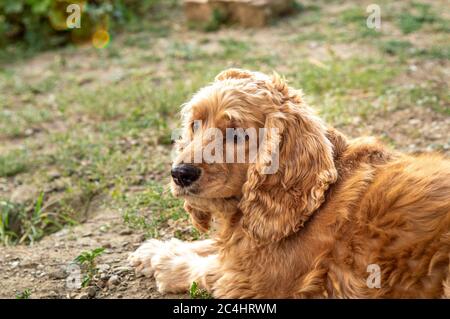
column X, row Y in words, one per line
column 399, row 224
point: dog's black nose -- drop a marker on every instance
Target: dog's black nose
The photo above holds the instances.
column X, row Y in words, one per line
column 185, row 174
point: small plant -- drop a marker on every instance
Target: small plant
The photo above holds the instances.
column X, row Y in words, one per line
column 21, row 223
column 40, row 223
column 8, row 222
column 87, row 259
column 24, row 294
column 196, row 293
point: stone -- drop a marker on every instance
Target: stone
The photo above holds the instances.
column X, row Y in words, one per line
column 114, row 280
column 14, row 264
column 139, row 238
column 91, row 292
column 101, row 284
column 104, row 276
column 58, row 274
column 103, row 268
column 122, row 269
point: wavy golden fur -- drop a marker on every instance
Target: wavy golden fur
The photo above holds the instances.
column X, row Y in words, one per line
column 334, row 207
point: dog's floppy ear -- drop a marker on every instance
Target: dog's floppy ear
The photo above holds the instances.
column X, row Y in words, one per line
column 200, row 219
column 277, row 204
column 233, row 73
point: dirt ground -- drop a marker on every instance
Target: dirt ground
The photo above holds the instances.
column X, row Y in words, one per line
column 88, row 127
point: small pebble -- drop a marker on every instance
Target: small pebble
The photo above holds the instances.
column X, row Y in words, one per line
column 102, row 268
column 114, row 280
column 101, row 284
column 104, row 276
column 59, row 274
column 14, row 264
column 123, row 269
column 91, row 292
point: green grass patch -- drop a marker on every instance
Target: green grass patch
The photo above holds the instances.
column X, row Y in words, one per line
column 396, row 47
column 307, row 14
column 342, row 89
column 14, row 162
column 20, row 224
column 342, row 76
column 405, row 49
column 15, row 122
column 196, row 293
column 233, row 48
column 435, row 52
column 429, row 95
column 150, row 210
column 418, row 15
column 26, row 294
column 354, row 15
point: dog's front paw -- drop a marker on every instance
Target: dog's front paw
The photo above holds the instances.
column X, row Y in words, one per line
column 141, row 259
column 171, row 273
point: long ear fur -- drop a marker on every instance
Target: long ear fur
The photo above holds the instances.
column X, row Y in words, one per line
column 200, row 219
column 277, row 205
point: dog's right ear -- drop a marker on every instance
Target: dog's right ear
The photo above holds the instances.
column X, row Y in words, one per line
column 200, row 219
column 233, row 73
column 276, row 205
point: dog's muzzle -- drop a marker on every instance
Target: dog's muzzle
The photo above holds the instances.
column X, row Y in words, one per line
column 184, row 174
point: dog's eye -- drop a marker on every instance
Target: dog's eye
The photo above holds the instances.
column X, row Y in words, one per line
column 236, row 136
column 196, row 125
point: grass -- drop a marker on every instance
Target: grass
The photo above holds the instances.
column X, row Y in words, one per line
column 20, row 223
column 396, row 47
column 8, row 222
column 196, row 293
column 150, row 210
column 26, row 294
column 429, row 96
column 405, row 49
column 13, row 163
column 418, row 15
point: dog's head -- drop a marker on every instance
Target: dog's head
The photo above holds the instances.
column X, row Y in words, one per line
column 278, row 186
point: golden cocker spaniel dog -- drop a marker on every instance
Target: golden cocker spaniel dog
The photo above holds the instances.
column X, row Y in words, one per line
column 338, row 219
